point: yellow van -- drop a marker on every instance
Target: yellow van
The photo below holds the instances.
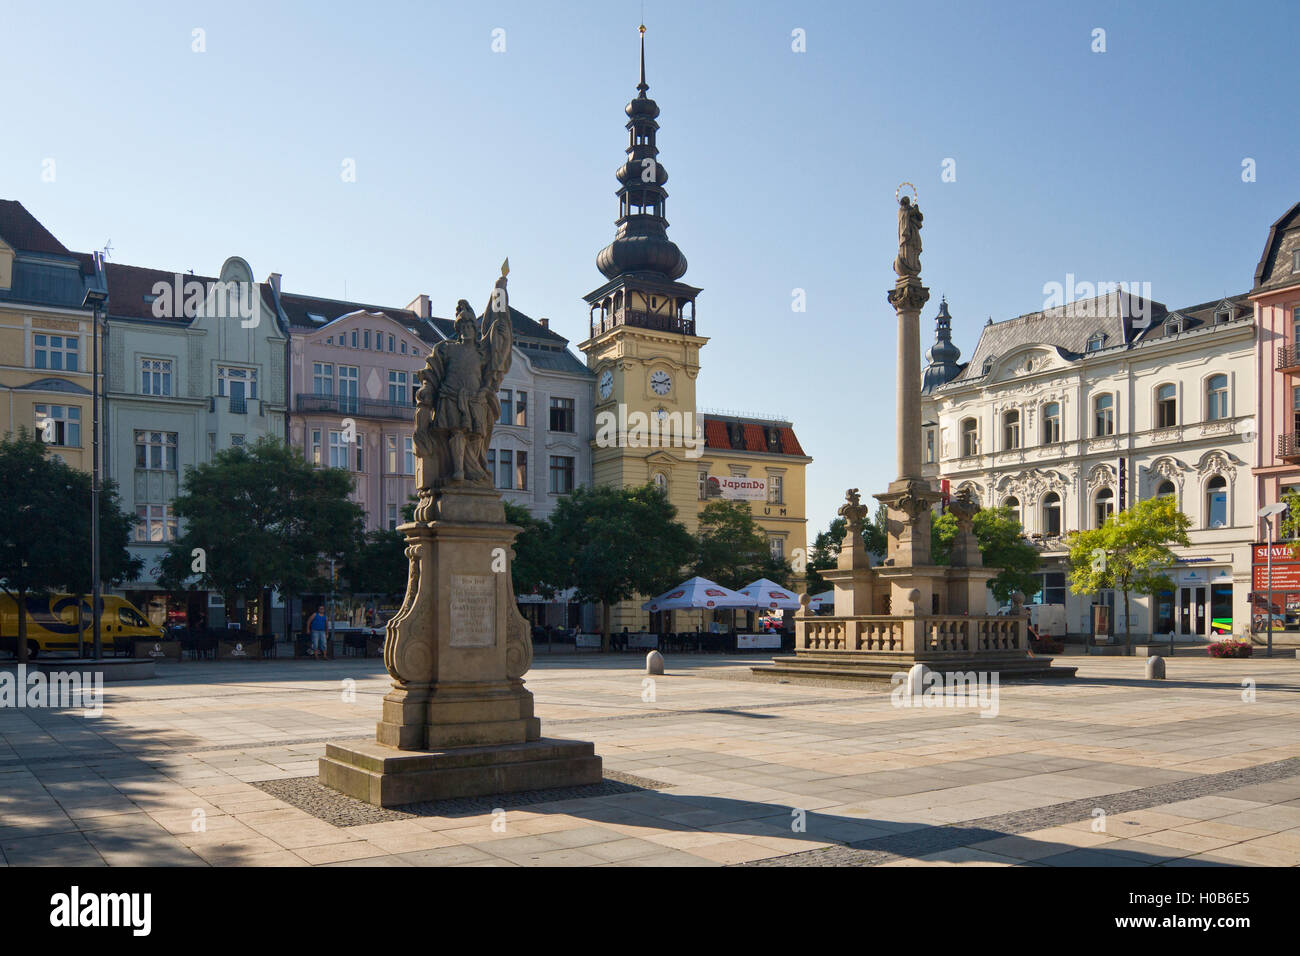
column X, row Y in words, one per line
column 52, row 624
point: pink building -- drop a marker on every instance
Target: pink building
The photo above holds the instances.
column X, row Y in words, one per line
column 1276, row 297
column 352, row 374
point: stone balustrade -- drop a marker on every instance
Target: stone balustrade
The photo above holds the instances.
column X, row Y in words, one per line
column 921, row 637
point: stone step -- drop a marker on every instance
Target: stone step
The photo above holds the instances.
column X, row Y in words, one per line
column 386, row 777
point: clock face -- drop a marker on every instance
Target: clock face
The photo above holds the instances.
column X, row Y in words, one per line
column 606, row 383
column 661, row 382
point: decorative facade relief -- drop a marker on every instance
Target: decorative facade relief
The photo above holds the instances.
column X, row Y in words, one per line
column 1166, row 469
column 1101, row 476
column 1217, row 462
column 1038, row 482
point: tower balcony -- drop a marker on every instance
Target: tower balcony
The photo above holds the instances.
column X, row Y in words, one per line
column 639, row 319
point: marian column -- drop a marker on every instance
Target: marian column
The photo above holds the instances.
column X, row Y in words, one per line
column 909, row 497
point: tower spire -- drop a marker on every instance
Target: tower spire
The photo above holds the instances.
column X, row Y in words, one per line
column 641, row 244
column 642, row 86
column 943, row 356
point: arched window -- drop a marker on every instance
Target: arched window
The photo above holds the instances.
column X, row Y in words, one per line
column 1105, row 506
column 1166, row 406
column 1216, row 398
column 1166, row 490
column 970, row 441
column 1052, row 514
column 1011, row 430
column 1103, row 407
column 1012, row 504
column 1051, row 423
column 1216, row 502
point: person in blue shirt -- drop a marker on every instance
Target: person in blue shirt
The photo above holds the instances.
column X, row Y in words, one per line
column 318, row 626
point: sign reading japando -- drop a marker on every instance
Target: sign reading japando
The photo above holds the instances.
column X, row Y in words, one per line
column 1286, row 569
column 737, row 488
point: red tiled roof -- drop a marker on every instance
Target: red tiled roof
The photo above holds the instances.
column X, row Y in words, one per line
column 22, row 231
column 754, row 437
column 715, row 434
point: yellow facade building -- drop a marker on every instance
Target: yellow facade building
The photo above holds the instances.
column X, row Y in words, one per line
column 45, row 337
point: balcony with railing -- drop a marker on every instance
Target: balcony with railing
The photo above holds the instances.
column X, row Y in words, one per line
column 637, row 318
column 1288, row 448
column 235, row 404
column 1288, row 359
column 352, row 405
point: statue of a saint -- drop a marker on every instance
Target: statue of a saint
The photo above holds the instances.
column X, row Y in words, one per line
column 908, row 262
column 457, row 404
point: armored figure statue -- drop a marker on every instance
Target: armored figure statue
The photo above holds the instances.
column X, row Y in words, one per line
column 457, row 404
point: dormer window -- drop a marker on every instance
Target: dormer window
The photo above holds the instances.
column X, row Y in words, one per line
column 1223, row 315
column 988, row 365
column 1174, row 325
column 1096, row 341
column 1295, row 261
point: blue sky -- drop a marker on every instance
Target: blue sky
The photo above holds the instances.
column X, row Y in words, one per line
column 1117, row 166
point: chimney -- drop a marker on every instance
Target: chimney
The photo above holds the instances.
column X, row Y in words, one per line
column 544, row 322
column 420, row 306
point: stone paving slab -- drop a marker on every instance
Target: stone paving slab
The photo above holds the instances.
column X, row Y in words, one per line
column 193, row 768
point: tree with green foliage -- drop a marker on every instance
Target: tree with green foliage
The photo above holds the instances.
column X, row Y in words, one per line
column 261, row 516
column 1130, row 553
column 45, row 530
column 825, row 552
column 534, row 567
column 612, row 544
column 379, row 566
column 824, row 555
column 732, row 549
column 1002, row 544
column 1289, row 529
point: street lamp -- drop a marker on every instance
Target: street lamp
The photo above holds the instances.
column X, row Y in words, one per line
column 1267, row 512
column 96, row 297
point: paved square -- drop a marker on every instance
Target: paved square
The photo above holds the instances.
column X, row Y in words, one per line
column 214, row 763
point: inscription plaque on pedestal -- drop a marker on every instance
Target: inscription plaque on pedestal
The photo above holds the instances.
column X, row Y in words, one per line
column 473, row 610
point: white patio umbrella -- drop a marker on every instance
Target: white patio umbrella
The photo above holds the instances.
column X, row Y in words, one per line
column 697, row 593
column 822, row 600
column 768, row 595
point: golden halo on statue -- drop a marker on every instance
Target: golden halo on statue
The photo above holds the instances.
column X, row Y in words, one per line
column 899, row 190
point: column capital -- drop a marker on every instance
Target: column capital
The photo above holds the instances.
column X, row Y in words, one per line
column 908, row 295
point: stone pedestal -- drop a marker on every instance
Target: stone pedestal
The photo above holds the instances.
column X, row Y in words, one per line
column 458, row 721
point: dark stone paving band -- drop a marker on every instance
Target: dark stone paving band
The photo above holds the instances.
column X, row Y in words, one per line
column 338, row 810
column 917, row 843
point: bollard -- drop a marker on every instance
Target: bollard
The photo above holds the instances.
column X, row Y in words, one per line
column 916, row 680
column 1155, row 668
column 654, row 663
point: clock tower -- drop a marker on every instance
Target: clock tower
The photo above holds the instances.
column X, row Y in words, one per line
column 643, row 348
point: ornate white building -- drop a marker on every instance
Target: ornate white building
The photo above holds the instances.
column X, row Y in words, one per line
column 1066, row 414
